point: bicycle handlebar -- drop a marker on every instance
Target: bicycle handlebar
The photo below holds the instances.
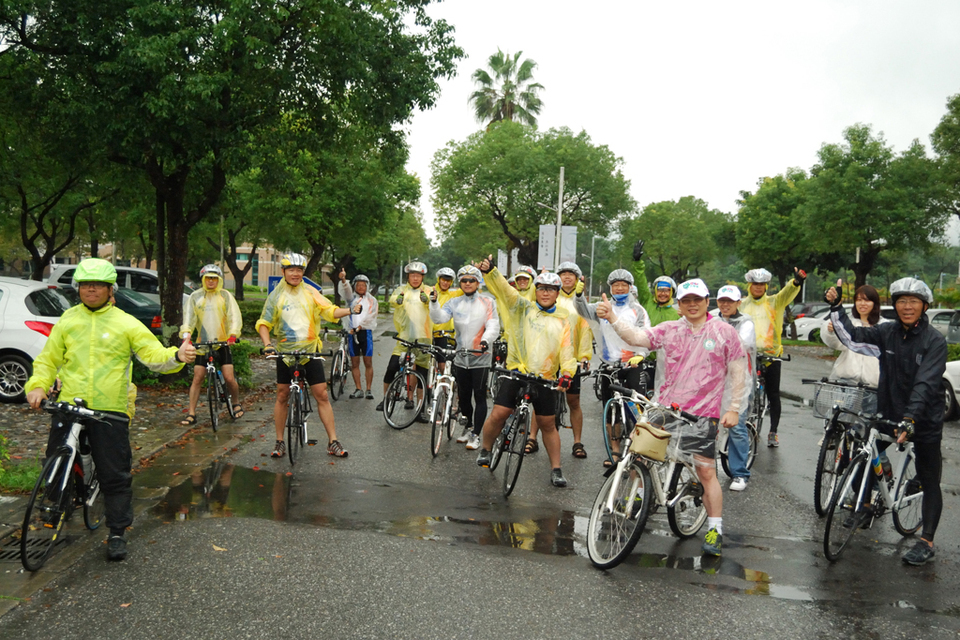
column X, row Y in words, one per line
column 313, row 355
column 526, row 377
column 674, row 409
column 781, row 358
column 216, row 344
column 79, row 408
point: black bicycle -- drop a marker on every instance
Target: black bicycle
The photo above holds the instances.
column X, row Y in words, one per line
column 408, row 391
column 68, row 480
column 217, row 395
column 298, row 404
column 340, row 367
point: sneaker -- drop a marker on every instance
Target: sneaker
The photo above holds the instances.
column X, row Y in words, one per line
column 408, row 405
column 859, row 519
column 117, row 548
column 712, row 542
column 279, row 449
column 483, row 460
column 356, row 395
column 369, row 395
column 738, row 484
column 557, row 479
column 422, row 417
column 465, row 435
column 920, row 554
column 773, row 440
column 336, row 449
column 473, row 443
column 380, row 406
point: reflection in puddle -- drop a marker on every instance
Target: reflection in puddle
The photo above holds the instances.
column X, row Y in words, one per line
column 224, row 490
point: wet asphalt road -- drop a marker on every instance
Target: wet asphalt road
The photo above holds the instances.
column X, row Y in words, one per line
column 393, row 543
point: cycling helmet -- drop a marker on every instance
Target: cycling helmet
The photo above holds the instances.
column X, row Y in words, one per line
column 512, row 281
column 293, row 260
column 361, row 278
column 665, row 279
column 95, row 270
column 620, row 275
column 525, row 272
column 569, row 266
column 906, row 287
column 211, row 270
column 446, row 272
column 470, row 272
column 760, row 276
column 416, row 267
column 548, row 280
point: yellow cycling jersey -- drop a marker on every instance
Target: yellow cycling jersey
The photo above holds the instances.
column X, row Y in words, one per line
column 293, row 316
column 580, row 328
column 91, row 351
column 767, row 315
column 540, row 341
column 214, row 315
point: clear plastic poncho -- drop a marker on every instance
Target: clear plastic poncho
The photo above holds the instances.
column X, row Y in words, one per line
column 613, row 348
column 214, row 315
column 367, row 318
column 475, row 320
column 582, row 334
column 767, row 315
column 293, row 316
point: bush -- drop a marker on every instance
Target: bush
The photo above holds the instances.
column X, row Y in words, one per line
column 241, row 367
column 250, row 312
column 953, row 352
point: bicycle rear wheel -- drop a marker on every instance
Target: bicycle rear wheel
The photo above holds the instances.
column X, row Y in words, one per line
column 336, row 380
column 93, row 505
column 842, row 518
column 689, row 513
column 294, row 424
column 908, row 500
column 828, row 470
column 759, row 409
column 612, row 535
column 436, row 421
column 213, row 398
column 47, row 511
column 519, row 432
column 596, row 387
column 405, row 398
column 613, row 429
column 754, row 433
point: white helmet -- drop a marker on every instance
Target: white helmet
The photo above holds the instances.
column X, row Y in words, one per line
column 760, row 276
column 211, row 270
column 525, row 272
column 446, row 272
column 293, row 260
column 470, row 272
column 548, row 280
column 911, row 287
column 416, row 267
column 569, row 266
column 360, row 278
column 620, row 275
column 665, row 279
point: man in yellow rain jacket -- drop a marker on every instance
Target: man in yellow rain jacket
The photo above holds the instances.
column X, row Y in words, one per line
column 90, row 350
column 292, row 314
column 214, row 314
column 443, row 333
column 541, row 345
column 767, row 315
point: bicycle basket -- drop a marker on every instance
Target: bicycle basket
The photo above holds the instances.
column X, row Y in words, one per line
column 829, row 394
column 649, row 441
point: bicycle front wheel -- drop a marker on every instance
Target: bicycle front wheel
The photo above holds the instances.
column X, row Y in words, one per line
column 519, row 432
column 759, row 409
column 842, row 517
column 613, row 534
column 596, row 387
column 294, row 424
column 499, row 445
column 213, row 399
column 93, row 504
column 405, row 398
column 47, row 511
column 828, row 470
column 908, row 500
column 336, row 371
column 687, row 514
column 451, row 412
column 436, row 433
column 613, row 428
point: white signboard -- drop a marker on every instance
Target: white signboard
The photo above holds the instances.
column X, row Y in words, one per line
column 502, row 265
column 548, row 240
column 568, row 244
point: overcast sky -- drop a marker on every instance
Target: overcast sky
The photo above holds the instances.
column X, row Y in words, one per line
column 703, row 98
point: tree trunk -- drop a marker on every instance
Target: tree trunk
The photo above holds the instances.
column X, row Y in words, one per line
column 529, row 254
column 863, row 268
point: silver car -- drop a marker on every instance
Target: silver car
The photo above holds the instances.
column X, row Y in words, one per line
column 940, row 319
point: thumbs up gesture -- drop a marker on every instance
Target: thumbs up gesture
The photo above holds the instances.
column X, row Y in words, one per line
column 605, row 309
column 834, row 295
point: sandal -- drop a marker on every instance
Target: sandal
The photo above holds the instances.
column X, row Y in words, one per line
column 237, row 412
column 189, row 421
column 610, row 463
column 579, row 451
column 532, row 447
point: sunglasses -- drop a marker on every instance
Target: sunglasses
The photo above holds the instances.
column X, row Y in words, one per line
column 468, row 281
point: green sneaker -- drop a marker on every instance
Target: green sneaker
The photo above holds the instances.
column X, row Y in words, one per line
column 712, row 542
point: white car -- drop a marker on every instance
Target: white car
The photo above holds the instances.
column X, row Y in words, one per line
column 28, row 311
column 143, row 281
column 809, row 327
column 951, row 389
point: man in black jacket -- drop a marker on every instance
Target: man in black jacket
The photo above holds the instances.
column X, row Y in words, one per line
column 913, row 357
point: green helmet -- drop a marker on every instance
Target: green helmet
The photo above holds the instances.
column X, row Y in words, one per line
column 95, row 270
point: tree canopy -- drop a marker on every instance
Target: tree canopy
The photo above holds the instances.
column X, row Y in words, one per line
column 506, row 91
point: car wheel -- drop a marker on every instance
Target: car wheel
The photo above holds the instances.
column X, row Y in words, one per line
column 14, row 373
column 949, row 401
column 815, row 336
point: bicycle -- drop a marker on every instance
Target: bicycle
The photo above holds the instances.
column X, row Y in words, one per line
column 759, row 407
column 217, row 395
column 298, row 404
column 444, row 409
column 853, row 505
column 338, row 368
column 68, row 480
column 513, row 436
column 723, row 446
column 836, row 443
column 623, row 504
column 408, row 391
column 499, row 350
column 616, row 411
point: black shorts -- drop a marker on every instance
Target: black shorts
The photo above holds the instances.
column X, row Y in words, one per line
column 575, row 385
column 444, row 342
column 544, row 400
column 313, row 368
column 221, row 357
column 629, row 378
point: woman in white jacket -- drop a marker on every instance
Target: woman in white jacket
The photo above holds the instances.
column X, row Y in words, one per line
column 850, row 367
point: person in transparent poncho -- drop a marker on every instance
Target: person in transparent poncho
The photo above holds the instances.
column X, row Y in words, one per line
column 702, row 368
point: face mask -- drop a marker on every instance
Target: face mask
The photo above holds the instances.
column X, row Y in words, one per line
column 620, row 298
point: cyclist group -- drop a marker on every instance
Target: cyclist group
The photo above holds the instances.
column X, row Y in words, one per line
column 706, row 362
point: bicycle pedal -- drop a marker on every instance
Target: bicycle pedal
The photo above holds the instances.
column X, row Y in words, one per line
column 312, row 443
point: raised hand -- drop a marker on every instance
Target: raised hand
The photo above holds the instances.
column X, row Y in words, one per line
column 605, row 309
column 834, row 295
column 486, row 264
column 343, row 274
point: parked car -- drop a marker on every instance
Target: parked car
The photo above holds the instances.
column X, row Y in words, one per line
column 940, row 318
column 139, row 306
column 953, row 329
column 28, row 311
column 804, row 309
column 951, row 390
column 143, row 281
column 809, row 327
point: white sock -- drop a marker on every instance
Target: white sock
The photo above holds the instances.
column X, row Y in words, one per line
column 715, row 523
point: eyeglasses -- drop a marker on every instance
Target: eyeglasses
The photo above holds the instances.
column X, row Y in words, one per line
column 544, row 287
column 468, row 281
column 691, row 300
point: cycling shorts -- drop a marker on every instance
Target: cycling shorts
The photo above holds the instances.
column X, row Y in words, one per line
column 361, row 343
column 313, row 368
column 221, row 357
column 544, row 400
column 699, row 438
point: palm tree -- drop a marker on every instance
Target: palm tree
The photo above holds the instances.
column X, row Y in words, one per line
column 515, row 99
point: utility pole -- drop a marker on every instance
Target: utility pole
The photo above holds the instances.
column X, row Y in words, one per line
column 556, row 260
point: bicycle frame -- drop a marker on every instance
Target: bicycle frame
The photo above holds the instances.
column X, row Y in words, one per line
column 869, row 447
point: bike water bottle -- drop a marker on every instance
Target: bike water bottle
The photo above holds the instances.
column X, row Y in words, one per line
column 220, row 375
column 86, row 463
column 887, row 467
column 877, row 467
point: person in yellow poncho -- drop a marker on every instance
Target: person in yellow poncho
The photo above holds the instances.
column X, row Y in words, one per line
column 214, row 314
column 90, row 350
column 443, row 333
column 767, row 315
column 541, row 345
column 292, row 314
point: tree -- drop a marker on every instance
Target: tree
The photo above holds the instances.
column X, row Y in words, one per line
column 862, row 198
column 516, row 96
column 174, row 90
column 400, row 239
column 507, row 174
column 946, row 142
